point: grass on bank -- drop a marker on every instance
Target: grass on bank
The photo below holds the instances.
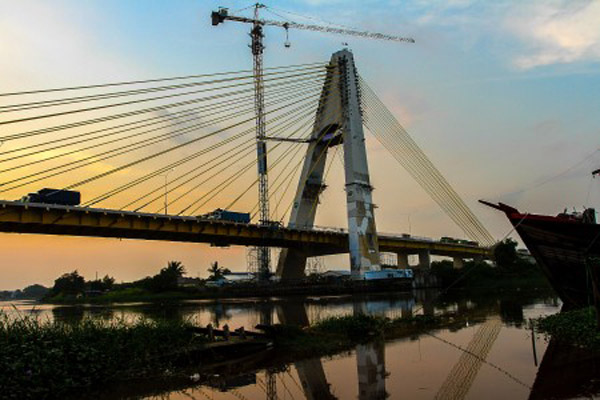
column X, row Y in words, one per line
column 44, row 359
column 577, row 327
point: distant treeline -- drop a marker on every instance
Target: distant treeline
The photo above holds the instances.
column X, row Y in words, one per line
column 32, row 292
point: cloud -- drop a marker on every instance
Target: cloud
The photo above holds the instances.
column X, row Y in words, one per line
column 556, row 33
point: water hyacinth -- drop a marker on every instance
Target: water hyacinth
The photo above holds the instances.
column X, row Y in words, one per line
column 49, row 359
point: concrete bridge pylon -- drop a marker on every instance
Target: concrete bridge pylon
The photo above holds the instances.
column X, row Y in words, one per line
column 338, row 123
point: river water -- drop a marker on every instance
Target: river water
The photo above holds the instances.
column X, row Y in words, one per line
column 487, row 350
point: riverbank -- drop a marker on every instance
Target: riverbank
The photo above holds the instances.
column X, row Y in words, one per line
column 576, row 327
column 305, row 288
column 54, row 360
column 42, row 359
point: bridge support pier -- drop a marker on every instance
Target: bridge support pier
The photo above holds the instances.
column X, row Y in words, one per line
column 458, row 263
column 424, row 259
column 402, row 260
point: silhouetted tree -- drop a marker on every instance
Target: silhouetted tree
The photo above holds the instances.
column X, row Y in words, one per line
column 167, row 277
column 34, row 292
column 216, row 272
column 103, row 284
column 70, row 283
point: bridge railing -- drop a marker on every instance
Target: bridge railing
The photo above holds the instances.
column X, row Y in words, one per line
column 344, row 230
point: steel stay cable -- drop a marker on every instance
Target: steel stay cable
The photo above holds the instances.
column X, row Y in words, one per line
column 276, row 187
column 110, row 95
column 147, row 81
column 178, row 132
column 276, row 127
column 173, row 188
column 286, row 178
column 249, row 165
column 483, row 235
column 287, row 185
column 235, row 177
column 164, row 169
column 457, row 213
column 316, row 201
column 431, row 187
column 464, row 214
column 55, row 128
column 247, row 151
column 286, row 387
column 160, row 119
column 407, row 150
column 305, row 128
column 166, row 136
column 336, row 113
column 273, row 190
column 127, row 103
column 284, row 88
column 391, row 125
column 229, row 180
column 289, row 181
column 112, row 152
column 198, row 174
column 117, row 169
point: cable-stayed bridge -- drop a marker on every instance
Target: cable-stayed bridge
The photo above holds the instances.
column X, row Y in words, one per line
column 150, row 156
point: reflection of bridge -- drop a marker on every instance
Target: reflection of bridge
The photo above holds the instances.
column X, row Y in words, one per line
column 311, row 110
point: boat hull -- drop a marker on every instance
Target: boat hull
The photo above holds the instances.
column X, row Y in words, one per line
column 564, row 249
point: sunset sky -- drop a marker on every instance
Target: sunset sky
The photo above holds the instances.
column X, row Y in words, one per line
column 502, row 96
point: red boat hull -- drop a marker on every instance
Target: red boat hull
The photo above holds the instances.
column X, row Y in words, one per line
column 564, row 248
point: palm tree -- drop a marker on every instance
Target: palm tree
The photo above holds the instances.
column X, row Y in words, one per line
column 216, row 272
column 175, row 268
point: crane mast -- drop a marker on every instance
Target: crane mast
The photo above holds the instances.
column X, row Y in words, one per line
column 257, row 47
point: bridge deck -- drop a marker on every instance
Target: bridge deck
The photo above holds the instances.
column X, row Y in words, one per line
column 19, row 217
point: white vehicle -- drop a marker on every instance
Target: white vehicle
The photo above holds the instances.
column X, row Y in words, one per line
column 388, row 274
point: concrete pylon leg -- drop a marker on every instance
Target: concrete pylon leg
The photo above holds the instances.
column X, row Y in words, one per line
column 458, row 263
column 362, row 233
column 424, row 259
column 402, row 260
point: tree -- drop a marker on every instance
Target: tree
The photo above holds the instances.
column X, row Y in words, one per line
column 34, row 292
column 167, row 278
column 217, row 272
column 505, row 254
column 103, row 284
column 70, row 283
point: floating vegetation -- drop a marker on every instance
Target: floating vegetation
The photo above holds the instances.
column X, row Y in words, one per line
column 49, row 359
column 577, row 327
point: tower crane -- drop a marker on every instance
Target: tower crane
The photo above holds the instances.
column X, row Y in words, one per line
column 257, row 35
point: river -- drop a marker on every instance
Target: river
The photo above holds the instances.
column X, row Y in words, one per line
column 490, row 352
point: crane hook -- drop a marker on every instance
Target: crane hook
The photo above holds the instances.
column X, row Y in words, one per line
column 287, row 43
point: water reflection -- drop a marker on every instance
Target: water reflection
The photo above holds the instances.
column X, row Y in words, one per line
column 482, row 343
column 567, row 372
